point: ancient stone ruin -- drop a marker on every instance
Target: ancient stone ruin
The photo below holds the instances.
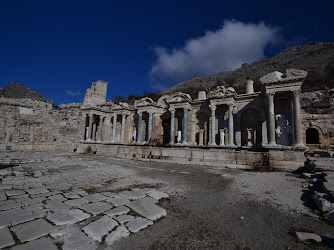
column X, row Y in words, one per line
column 219, row 127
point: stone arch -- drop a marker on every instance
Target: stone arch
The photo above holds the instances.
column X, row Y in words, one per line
column 312, row 136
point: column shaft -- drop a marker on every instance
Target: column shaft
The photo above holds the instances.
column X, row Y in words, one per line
column 140, row 123
column 114, row 128
column 297, row 123
column 123, row 127
column 94, row 132
column 185, row 125
column 149, row 130
column 230, row 126
column 83, row 135
column 271, row 120
column 90, row 127
column 213, row 124
column 172, row 123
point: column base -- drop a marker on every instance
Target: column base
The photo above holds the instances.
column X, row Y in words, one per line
column 299, row 147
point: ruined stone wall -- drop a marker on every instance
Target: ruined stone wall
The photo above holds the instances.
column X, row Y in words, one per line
column 27, row 122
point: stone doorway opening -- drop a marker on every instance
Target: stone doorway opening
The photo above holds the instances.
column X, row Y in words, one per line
column 312, row 136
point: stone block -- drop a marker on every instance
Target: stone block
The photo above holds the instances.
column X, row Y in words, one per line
column 96, row 208
column 78, row 240
column 96, row 197
column 134, row 194
column 138, row 224
column 67, row 217
column 77, row 202
column 43, row 243
column 37, row 191
column 124, row 218
column 303, row 236
column 147, row 209
column 32, row 230
column 118, row 201
column 6, row 238
column 99, row 228
column 117, row 211
column 157, row 195
column 116, row 235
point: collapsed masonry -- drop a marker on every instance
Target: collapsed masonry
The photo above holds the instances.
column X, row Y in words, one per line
column 219, row 127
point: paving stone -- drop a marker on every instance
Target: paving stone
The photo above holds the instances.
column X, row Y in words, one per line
column 124, row 218
column 10, row 206
column 32, row 230
column 78, row 240
column 96, row 208
column 117, row 211
column 37, row 191
column 7, row 202
column 149, row 199
column 157, row 195
column 303, row 236
column 56, row 205
column 147, row 209
column 40, row 244
column 116, row 235
column 24, row 216
column 14, row 192
column 77, row 202
column 34, row 206
column 138, row 224
column 33, row 201
column 99, row 228
column 57, row 197
column 134, row 194
column 118, row 201
column 109, row 194
column 3, row 196
column 96, row 197
column 67, row 217
column 72, row 195
column 6, row 238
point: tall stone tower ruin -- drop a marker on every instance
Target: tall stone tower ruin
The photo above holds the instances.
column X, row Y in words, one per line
column 97, row 94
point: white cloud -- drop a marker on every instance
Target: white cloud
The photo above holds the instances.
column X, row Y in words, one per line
column 72, row 93
column 225, row 49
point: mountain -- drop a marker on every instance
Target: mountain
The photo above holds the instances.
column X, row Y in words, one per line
column 314, row 57
column 18, row 90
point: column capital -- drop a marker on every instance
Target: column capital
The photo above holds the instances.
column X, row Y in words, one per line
column 150, row 112
column 270, row 94
column 296, row 92
column 140, row 113
column 212, row 107
column 172, row 110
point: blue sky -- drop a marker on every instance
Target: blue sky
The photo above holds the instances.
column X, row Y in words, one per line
column 59, row 47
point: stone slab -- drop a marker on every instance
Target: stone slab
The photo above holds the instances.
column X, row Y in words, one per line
column 33, row 201
column 6, row 238
column 37, row 191
column 124, row 218
column 134, row 194
column 77, row 202
column 43, row 243
column 96, row 197
column 138, row 224
column 78, row 240
column 72, row 195
column 11, row 206
column 303, row 236
column 147, row 209
column 56, row 205
column 116, row 235
column 57, row 197
column 96, row 208
column 67, row 217
column 14, row 192
column 99, row 228
column 32, row 230
column 157, row 195
column 118, row 201
column 117, row 211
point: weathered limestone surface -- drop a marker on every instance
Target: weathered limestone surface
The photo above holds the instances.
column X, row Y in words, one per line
column 147, row 209
column 99, row 228
column 32, row 230
column 67, row 217
column 6, row 238
column 78, row 240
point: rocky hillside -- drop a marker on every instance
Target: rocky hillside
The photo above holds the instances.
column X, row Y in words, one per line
column 314, row 57
column 18, row 90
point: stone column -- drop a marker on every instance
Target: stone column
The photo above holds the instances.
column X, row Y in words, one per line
column 101, row 128
column 123, row 127
column 193, row 127
column 8, row 136
column 213, row 125
column 271, row 119
column 297, row 116
column 32, row 136
column 114, row 127
column 230, row 125
column 201, row 137
column 83, row 135
column 140, row 123
column 172, row 123
column 185, row 125
column 91, row 117
column 149, row 129
column 292, row 121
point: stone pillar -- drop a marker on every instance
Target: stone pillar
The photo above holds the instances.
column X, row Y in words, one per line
column 123, row 127
column 185, row 125
column 91, row 117
column 83, row 135
column 149, row 130
column 293, row 141
column 213, row 125
column 8, row 136
column 298, row 122
column 230, row 125
column 201, row 137
column 101, row 128
column 32, row 137
column 172, row 123
column 114, row 127
column 193, row 127
column 271, row 119
column 140, row 123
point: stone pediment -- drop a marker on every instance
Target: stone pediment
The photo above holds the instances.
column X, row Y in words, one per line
column 120, row 105
column 162, row 102
column 220, row 92
column 276, row 76
column 179, row 97
column 146, row 101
